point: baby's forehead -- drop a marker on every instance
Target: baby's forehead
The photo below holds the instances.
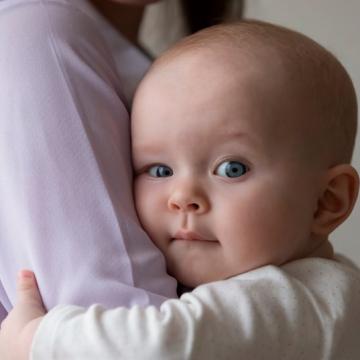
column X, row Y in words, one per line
column 204, row 81
column 227, row 73
column 221, row 64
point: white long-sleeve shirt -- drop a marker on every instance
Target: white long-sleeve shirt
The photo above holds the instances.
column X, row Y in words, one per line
column 308, row 309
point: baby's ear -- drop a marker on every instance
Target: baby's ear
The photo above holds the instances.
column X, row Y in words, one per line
column 337, row 199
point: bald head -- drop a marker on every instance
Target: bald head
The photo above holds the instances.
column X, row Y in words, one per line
column 317, row 83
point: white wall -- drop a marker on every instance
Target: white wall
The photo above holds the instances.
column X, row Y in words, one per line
column 336, row 25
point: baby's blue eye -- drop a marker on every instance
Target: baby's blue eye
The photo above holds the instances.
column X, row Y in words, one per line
column 160, row 171
column 231, row 169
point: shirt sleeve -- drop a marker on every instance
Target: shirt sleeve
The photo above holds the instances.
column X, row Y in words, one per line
column 309, row 311
column 266, row 313
column 66, row 208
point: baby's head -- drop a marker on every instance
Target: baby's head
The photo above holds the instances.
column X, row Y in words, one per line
column 242, row 141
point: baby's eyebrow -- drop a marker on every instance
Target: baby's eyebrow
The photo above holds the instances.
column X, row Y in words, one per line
column 222, row 136
column 148, row 149
column 237, row 135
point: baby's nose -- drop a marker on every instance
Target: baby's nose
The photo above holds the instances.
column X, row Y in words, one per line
column 188, row 201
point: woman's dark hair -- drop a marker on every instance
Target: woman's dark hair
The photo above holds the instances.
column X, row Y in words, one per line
column 200, row 14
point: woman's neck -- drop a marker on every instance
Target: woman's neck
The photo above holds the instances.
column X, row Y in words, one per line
column 125, row 18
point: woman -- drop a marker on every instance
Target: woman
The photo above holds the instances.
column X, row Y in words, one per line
column 66, row 208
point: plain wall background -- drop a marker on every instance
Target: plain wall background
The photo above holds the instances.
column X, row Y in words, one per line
column 336, row 25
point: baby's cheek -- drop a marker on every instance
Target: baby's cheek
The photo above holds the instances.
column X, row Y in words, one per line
column 150, row 208
column 251, row 221
column 142, row 200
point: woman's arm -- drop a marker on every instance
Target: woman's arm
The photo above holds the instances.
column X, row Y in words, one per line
column 66, row 207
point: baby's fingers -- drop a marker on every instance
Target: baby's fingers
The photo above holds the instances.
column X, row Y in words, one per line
column 27, row 289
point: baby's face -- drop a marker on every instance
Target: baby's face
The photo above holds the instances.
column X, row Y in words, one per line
column 220, row 187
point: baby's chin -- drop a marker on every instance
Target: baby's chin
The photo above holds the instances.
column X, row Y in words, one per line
column 184, row 275
column 191, row 279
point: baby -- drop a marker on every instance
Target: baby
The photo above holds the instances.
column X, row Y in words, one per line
column 242, row 139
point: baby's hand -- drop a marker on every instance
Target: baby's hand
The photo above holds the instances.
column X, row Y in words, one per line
column 18, row 329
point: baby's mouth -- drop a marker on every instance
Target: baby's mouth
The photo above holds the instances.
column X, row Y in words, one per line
column 185, row 234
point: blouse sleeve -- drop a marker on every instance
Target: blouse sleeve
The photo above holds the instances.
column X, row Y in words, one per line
column 66, row 208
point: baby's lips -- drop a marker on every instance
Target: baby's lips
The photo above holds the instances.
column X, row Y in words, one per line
column 185, row 234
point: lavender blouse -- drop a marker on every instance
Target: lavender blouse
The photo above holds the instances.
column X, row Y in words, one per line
column 66, row 207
